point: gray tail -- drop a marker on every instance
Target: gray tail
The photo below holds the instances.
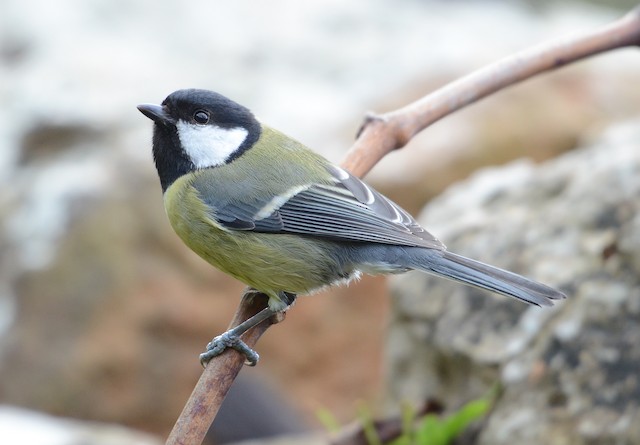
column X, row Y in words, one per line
column 475, row 273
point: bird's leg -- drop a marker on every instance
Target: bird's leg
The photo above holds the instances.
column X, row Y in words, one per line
column 231, row 338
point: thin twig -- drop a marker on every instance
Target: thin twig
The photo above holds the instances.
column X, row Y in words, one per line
column 379, row 135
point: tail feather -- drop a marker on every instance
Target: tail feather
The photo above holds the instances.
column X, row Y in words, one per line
column 475, row 273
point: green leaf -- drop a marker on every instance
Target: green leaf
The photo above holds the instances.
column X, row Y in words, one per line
column 455, row 424
column 328, row 420
column 431, row 431
column 402, row 440
column 368, row 427
column 408, row 422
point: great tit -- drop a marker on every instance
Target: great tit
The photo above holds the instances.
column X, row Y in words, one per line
column 265, row 209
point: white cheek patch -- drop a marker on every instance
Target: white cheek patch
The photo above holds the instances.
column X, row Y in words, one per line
column 209, row 145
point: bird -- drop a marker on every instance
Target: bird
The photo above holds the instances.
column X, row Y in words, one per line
column 272, row 213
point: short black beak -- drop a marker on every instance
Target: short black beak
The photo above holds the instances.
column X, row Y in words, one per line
column 156, row 113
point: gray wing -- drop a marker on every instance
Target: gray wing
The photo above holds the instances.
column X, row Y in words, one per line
column 345, row 210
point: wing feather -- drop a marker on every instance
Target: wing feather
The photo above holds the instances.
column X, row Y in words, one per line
column 344, row 209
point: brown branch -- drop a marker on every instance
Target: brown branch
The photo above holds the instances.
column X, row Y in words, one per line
column 380, row 135
column 216, row 379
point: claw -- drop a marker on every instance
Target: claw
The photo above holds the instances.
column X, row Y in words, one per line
column 231, row 338
column 228, row 340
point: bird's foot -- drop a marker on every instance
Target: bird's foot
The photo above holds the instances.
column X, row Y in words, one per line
column 231, row 338
column 228, row 340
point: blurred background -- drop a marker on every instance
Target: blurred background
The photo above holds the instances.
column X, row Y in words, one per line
column 103, row 310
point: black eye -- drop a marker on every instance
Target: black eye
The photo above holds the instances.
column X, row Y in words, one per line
column 201, row 117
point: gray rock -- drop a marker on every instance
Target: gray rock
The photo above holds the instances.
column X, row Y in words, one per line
column 570, row 373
